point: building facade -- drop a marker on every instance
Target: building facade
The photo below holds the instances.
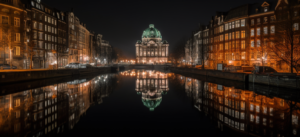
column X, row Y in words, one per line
column 45, row 38
column 243, row 36
column 152, row 49
column 12, row 33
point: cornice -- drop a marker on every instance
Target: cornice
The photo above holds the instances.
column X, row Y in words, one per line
column 261, row 14
column 12, row 7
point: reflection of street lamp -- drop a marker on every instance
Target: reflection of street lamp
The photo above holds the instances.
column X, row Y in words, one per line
column 96, row 61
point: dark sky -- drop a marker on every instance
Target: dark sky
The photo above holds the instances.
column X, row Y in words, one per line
column 122, row 22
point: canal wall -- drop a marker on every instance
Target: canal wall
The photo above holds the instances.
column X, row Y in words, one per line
column 212, row 73
column 143, row 66
column 276, row 80
column 29, row 75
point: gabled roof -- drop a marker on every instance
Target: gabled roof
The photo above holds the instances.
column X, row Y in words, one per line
column 259, row 7
column 237, row 12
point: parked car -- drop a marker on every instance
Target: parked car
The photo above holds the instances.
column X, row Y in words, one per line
column 231, row 68
column 264, row 70
column 247, row 69
column 6, row 66
column 73, row 65
column 85, row 66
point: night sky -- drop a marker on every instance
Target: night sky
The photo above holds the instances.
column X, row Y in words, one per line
column 122, row 22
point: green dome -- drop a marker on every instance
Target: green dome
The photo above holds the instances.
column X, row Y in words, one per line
column 151, row 32
column 151, row 104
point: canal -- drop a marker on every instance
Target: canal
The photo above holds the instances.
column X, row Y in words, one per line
column 147, row 102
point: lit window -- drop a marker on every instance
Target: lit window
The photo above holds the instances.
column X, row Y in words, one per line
column 17, row 114
column 251, row 117
column 265, row 19
column 257, row 109
column 251, row 107
column 243, row 34
column 258, row 31
column 17, row 50
column 17, row 37
column 266, row 9
column 252, row 32
column 265, row 30
column 4, row 20
column 243, row 56
column 34, row 25
column 242, row 115
column 272, row 30
column 237, row 23
column 258, row 43
column 258, row 21
column 41, row 26
column 17, row 22
column 252, row 43
column 237, row 34
column 271, row 111
column 265, row 110
column 17, row 102
column 252, row 22
column 243, row 23
column 296, row 26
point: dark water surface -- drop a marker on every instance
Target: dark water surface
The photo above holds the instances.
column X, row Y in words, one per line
column 149, row 103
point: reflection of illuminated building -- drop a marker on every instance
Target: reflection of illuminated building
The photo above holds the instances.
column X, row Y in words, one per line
column 245, row 111
column 128, row 73
column 50, row 109
column 101, row 85
column 151, row 84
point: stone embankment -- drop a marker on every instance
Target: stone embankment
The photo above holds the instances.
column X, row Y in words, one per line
column 212, row 73
column 287, row 81
column 29, row 75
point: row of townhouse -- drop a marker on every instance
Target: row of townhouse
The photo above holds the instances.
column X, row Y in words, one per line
column 240, row 36
column 51, row 37
column 244, row 111
column 52, row 109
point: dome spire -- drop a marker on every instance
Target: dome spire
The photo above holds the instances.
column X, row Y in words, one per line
column 151, row 26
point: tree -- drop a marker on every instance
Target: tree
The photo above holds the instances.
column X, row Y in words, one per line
column 30, row 52
column 117, row 54
column 179, row 51
column 6, row 42
column 285, row 44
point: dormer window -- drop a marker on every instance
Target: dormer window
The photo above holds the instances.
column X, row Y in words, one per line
column 265, row 9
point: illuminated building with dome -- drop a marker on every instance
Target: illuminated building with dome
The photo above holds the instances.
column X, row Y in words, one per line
column 152, row 49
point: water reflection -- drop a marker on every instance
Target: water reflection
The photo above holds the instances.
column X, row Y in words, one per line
column 243, row 110
column 51, row 109
column 151, row 85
